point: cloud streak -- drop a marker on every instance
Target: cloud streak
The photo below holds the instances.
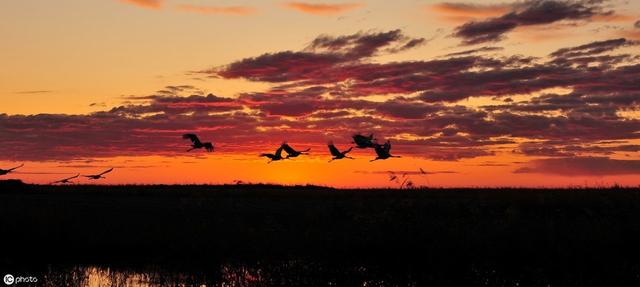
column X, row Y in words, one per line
column 212, row 10
column 322, row 9
column 149, row 4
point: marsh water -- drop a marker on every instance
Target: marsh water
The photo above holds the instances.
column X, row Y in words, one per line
column 327, row 273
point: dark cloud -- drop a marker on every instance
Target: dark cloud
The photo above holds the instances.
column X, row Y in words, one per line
column 34, row 92
column 593, row 48
column 474, row 51
column 582, row 166
column 532, row 12
column 323, row 54
column 363, row 45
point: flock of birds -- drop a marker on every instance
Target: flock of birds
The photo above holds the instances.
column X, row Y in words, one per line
column 383, row 151
column 64, row 180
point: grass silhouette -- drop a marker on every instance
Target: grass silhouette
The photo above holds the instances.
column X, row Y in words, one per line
column 557, row 236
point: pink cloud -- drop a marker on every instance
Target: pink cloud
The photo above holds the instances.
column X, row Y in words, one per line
column 323, row 9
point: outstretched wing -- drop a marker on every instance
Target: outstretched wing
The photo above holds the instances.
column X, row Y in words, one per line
column 287, row 148
column 359, row 139
column 106, row 171
column 208, row 146
column 380, row 151
column 334, row 151
column 387, row 146
column 193, row 137
column 348, row 150
column 68, row 178
column 279, row 150
column 17, row 167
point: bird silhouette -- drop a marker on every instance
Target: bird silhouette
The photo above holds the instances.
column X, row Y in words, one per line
column 337, row 154
column 196, row 143
column 274, row 156
column 292, row 152
column 383, row 151
column 364, row 141
column 66, row 180
column 6, row 171
column 98, row 176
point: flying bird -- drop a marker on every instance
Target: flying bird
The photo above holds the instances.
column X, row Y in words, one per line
column 364, row 141
column 196, row 143
column 383, row 151
column 292, row 152
column 337, row 154
column 66, row 180
column 6, row 171
column 98, row 176
column 274, row 156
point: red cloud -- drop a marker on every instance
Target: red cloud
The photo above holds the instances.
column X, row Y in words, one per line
column 323, row 9
column 582, row 166
column 462, row 12
column 151, row 4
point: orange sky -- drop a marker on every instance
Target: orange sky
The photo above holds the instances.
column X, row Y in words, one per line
column 88, row 85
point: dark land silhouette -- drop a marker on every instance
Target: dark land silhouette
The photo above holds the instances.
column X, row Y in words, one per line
column 312, row 236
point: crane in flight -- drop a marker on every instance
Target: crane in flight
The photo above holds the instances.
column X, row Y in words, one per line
column 196, row 143
column 100, row 175
column 6, row 171
column 383, row 151
column 364, row 141
column 337, row 154
column 292, row 152
column 274, row 156
column 66, row 180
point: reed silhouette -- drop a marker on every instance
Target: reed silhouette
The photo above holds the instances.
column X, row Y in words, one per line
column 438, row 237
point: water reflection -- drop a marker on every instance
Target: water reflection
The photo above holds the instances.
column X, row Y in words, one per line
column 313, row 273
column 284, row 273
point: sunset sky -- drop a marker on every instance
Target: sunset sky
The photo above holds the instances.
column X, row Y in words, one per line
column 476, row 93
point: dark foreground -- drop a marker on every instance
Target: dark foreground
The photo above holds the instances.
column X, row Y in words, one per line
column 312, row 236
